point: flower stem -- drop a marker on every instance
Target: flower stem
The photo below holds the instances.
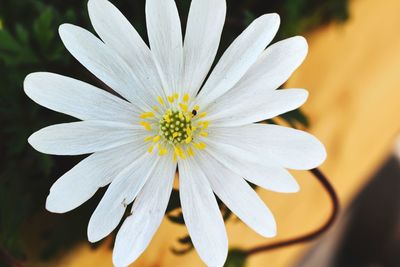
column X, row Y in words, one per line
column 8, row 259
column 314, row 234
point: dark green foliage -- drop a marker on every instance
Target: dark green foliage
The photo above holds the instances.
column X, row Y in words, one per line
column 236, row 258
column 29, row 42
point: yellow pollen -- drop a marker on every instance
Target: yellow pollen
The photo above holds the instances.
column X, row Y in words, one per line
column 150, row 150
column 171, row 99
column 163, row 151
column 146, row 125
column 148, row 138
column 176, row 95
column 190, row 152
column 188, row 140
column 204, row 124
column 156, row 139
column 181, row 117
column 147, row 115
column 200, row 146
column 203, row 134
column 160, row 100
column 179, row 152
column 184, row 107
column 202, row 115
column 167, row 118
column 186, row 98
column 175, row 135
column 156, row 108
column 196, row 108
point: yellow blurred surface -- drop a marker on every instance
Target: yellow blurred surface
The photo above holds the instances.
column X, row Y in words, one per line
column 353, row 76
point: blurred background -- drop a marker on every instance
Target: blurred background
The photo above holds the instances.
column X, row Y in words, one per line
column 352, row 73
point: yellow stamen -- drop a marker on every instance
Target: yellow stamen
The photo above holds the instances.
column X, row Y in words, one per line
column 190, row 152
column 156, row 108
column 186, row 98
column 204, row 124
column 175, row 135
column 150, row 150
column 147, row 115
column 202, row 115
column 200, row 146
column 196, row 108
column 181, row 116
column 167, row 118
column 148, row 138
column 160, row 100
column 156, row 138
column 171, row 99
column 146, row 125
column 203, row 134
column 179, row 152
column 176, row 95
column 184, row 107
column 188, row 140
column 163, row 151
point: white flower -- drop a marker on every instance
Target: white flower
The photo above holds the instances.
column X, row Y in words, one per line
column 162, row 123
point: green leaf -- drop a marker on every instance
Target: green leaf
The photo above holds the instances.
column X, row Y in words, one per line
column 42, row 27
column 8, row 42
column 22, row 34
column 236, row 258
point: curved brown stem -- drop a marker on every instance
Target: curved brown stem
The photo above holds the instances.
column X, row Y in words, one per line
column 8, row 259
column 314, row 234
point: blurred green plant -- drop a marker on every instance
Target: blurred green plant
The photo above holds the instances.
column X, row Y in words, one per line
column 236, row 258
column 28, row 43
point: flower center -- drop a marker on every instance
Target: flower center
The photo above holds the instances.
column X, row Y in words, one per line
column 173, row 126
column 176, row 127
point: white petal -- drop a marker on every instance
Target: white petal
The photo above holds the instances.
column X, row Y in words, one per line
column 84, row 137
column 101, row 61
column 80, row 183
column 121, row 193
column 238, row 196
column 263, row 143
column 119, row 34
column 239, row 57
column 235, row 110
column 165, row 37
column 201, row 214
column 147, row 213
column 78, row 99
column 203, row 33
column 269, row 175
column 274, row 67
